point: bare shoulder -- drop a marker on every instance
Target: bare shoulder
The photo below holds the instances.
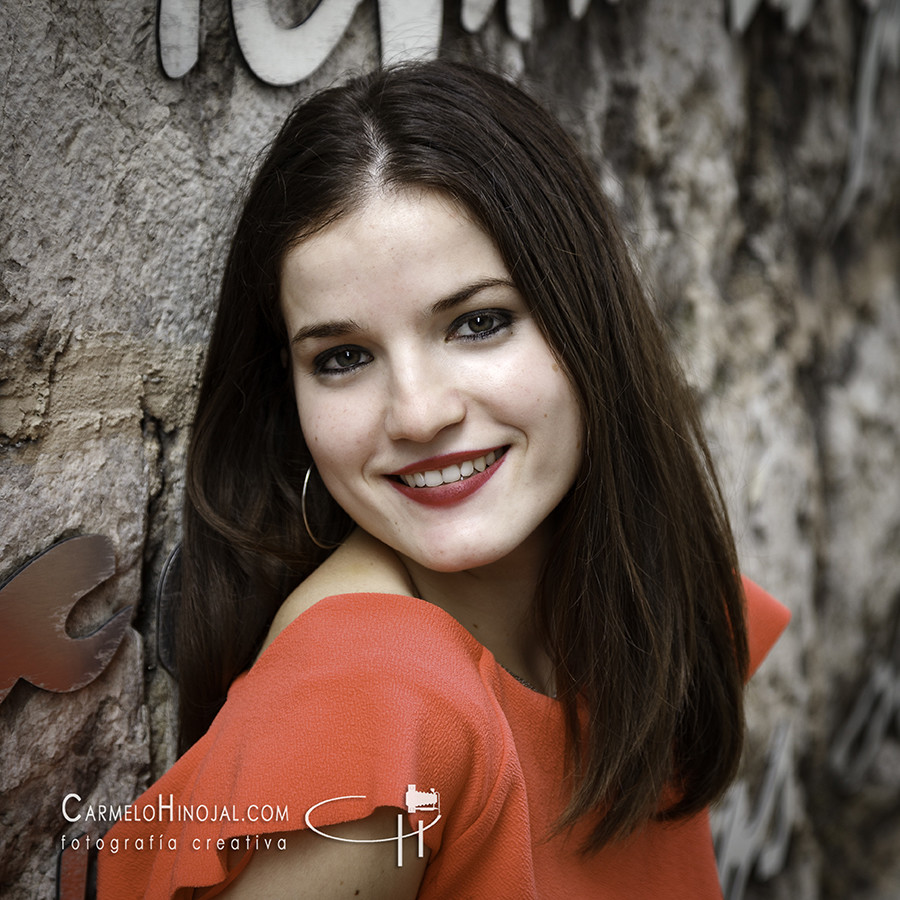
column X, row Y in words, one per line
column 360, row 565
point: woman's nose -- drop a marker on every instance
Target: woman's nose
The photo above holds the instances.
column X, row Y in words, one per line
column 421, row 402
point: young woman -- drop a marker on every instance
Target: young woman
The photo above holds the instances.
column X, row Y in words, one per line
column 453, row 546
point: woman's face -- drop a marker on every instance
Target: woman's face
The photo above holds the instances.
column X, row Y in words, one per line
column 437, row 416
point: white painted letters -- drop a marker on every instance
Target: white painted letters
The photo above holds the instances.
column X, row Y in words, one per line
column 284, row 56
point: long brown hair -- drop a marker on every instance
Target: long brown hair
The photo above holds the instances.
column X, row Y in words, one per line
column 639, row 603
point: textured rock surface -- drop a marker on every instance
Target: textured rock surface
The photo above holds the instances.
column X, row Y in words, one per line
column 726, row 155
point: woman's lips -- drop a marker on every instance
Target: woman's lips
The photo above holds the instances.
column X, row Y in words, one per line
column 444, row 480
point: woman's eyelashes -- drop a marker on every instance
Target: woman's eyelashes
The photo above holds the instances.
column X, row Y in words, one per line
column 341, row 360
column 474, row 326
column 477, row 326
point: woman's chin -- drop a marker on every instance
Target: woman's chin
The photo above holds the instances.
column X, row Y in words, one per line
column 448, row 560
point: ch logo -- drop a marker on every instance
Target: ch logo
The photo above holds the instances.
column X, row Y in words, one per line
column 416, row 801
column 34, row 605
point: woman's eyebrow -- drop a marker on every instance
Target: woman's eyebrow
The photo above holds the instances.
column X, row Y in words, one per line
column 344, row 327
column 464, row 293
column 336, row 328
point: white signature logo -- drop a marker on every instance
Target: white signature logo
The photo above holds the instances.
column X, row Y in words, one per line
column 416, row 801
column 423, row 800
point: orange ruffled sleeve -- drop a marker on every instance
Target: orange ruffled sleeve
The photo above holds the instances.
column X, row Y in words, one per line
column 366, row 694
column 361, row 696
column 766, row 620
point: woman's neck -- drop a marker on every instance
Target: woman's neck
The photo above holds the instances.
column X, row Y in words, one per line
column 494, row 603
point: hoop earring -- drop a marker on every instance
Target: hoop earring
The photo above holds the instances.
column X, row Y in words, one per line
column 312, row 537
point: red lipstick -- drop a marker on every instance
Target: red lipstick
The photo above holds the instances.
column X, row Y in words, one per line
column 456, row 491
column 447, row 459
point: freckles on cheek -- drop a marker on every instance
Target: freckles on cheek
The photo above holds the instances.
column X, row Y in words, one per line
column 313, row 425
column 333, row 434
column 318, row 430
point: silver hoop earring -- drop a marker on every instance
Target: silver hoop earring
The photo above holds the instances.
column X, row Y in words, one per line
column 312, row 537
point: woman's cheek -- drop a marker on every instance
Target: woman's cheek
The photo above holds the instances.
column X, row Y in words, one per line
column 317, row 429
column 334, row 431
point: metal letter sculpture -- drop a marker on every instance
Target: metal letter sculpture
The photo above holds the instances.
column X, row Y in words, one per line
column 34, row 605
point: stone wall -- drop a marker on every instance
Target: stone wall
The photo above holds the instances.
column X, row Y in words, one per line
column 727, row 154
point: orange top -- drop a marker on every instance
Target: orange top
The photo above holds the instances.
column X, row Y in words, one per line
column 363, row 696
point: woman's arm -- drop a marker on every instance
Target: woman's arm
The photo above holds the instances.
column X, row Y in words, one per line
column 320, row 869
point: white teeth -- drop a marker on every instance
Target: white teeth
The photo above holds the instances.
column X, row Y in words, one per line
column 451, row 473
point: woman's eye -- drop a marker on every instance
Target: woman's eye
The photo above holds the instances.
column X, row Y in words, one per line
column 344, row 359
column 480, row 324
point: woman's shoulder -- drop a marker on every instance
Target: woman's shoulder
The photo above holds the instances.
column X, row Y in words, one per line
column 361, row 682
column 363, row 693
column 361, row 565
column 357, row 620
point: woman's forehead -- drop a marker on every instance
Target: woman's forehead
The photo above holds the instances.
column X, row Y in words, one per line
column 397, row 241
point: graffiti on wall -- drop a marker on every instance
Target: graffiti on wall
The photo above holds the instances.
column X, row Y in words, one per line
column 875, row 710
column 754, row 839
column 880, row 52
column 283, row 56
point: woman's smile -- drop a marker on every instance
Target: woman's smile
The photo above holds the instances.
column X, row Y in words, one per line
column 455, row 477
column 436, row 413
